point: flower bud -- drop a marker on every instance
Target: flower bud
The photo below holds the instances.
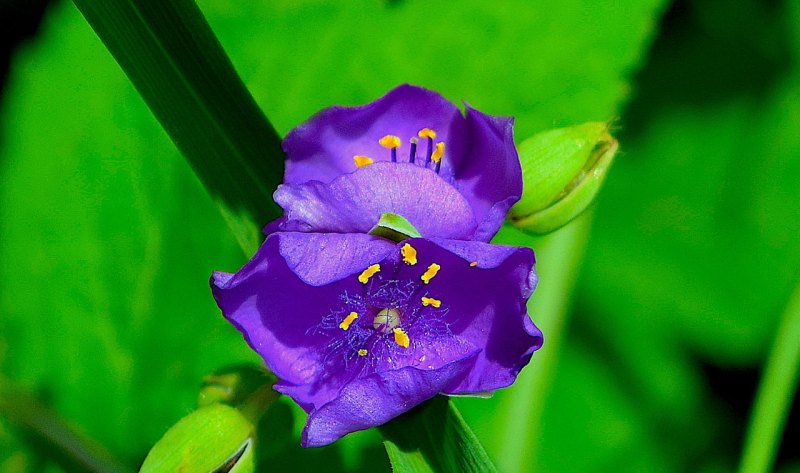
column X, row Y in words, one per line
column 213, row 438
column 562, row 170
column 394, row 227
column 233, row 385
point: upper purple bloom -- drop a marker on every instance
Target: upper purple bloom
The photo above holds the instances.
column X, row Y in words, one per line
column 360, row 329
column 411, row 153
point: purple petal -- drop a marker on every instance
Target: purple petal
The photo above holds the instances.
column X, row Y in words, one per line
column 486, row 304
column 353, row 203
column 286, row 288
column 489, row 175
column 323, row 147
column 323, row 258
column 294, row 302
column 377, row 398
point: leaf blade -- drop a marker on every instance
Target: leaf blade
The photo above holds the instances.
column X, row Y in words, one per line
column 433, row 437
column 171, row 55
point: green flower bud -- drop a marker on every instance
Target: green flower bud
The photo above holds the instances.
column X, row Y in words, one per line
column 214, row 438
column 233, row 385
column 562, row 170
column 394, row 227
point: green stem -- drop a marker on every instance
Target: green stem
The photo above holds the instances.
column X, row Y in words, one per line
column 559, row 256
column 62, row 442
column 775, row 394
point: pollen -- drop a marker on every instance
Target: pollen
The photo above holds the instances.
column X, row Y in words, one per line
column 473, row 264
column 368, row 273
column 409, row 254
column 362, row 352
column 430, row 301
column 348, row 321
column 390, row 141
column 429, row 273
column 427, row 133
column 401, row 337
column 438, row 152
column 362, row 161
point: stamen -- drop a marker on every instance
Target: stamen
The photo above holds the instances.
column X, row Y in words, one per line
column 430, row 301
column 430, row 135
column 409, row 254
column 362, row 352
column 412, row 155
column 427, row 133
column 391, row 142
column 362, row 161
column 436, row 157
column 401, row 337
column 473, row 264
column 432, row 270
column 368, row 273
column 348, row 321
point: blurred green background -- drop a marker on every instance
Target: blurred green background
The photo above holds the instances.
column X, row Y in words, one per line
column 107, row 238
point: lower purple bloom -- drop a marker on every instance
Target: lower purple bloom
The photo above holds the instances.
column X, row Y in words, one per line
column 359, row 329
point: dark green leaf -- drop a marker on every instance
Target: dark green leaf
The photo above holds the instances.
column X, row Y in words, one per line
column 176, row 63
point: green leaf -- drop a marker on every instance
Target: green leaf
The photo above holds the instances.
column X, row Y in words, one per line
column 545, row 63
column 108, row 243
column 433, row 437
column 176, row 63
column 60, row 441
column 775, row 393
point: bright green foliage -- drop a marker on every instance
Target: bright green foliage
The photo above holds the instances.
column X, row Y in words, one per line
column 694, row 250
column 108, row 243
column 545, row 63
column 434, row 438
column 776, row 393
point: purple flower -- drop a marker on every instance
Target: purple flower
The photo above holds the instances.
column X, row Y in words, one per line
column 411, row 153
column 360, row 329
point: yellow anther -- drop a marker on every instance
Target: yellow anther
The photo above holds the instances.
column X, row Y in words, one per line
column 409, row 254
column 368, row 273
column 362, row 161
column 427, row 133
column 401, row 337
column 390, row 141
column 362, row 352
column 429, row 273
column 426, row 301
column 473, row 264
column 438, row 152
column 348, row 320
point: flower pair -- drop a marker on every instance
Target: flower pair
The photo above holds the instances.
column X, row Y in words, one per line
column 359, row 328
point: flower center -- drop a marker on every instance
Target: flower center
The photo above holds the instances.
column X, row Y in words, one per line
column 390, row 316
column 386, row 320
column 392, row 143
